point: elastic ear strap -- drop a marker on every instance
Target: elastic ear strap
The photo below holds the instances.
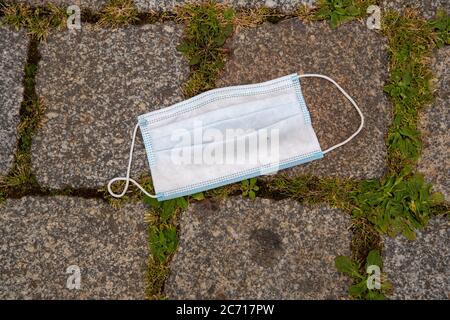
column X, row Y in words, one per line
column 127, row 179
column 349, row 99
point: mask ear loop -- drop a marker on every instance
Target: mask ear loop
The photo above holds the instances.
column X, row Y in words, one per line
column 127, row 179
column 349, row 99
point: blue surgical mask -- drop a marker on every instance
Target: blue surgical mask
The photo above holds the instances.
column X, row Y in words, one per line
column 228, row 135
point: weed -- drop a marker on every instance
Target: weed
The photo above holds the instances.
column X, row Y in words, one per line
column 249, row 188
column 38, row 20
column 313, row 190
column 397, row 204
column 167, row 209
column 163, row 242
column 360, row 288
column 163, row 239
column 207, row 27
column 340, row 11
column 411, row 40
column 441, row 25
column 118, row 13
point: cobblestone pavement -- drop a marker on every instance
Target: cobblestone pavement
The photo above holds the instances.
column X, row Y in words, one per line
column 95, row 83
column 42, row 236
column 262, row 249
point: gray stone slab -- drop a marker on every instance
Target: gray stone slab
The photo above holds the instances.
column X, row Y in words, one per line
column 353, row 56
column 95, row 84
column 13, row 56
column 427, row 8
column 169, row 5
column 282, row 5
column 41, row 237
column 261, row 249
column 435, row 127
column 94, row 5
column 420, row 269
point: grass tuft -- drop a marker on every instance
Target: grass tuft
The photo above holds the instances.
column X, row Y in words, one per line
column 252, row 17
column 38, row 20
column 313, row 190
column 118, row 13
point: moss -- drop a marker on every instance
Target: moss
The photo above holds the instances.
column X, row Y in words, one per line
column 364, row 239
column 156, row 276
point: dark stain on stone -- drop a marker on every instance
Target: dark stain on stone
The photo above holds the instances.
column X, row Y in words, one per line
column 113, row 225
column 208, row 206
column 265, row 247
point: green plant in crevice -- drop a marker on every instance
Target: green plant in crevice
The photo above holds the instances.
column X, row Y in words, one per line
column 249, row 188
column 156, row 276
column 410, row 42
column 38, row 20
column 208, row 25
column 163, row 239
column 163, row 242
column 397, row 204
column 441, row 25
column 364, row 239
column 340, row 11
column 310, row 189
column 166, row 209
column 365, row 282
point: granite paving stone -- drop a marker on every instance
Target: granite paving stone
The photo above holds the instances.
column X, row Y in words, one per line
column 170, row 5
column 435, row 127
column 427, row 8
column 354, row 56
column 420, row 269
column 41, row 237
column 94, row 85
column 94, row 5
column 13, row 56
column 281, row 5
column 261, row 249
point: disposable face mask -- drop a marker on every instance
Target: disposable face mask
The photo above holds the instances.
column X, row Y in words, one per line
column 228, row 135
